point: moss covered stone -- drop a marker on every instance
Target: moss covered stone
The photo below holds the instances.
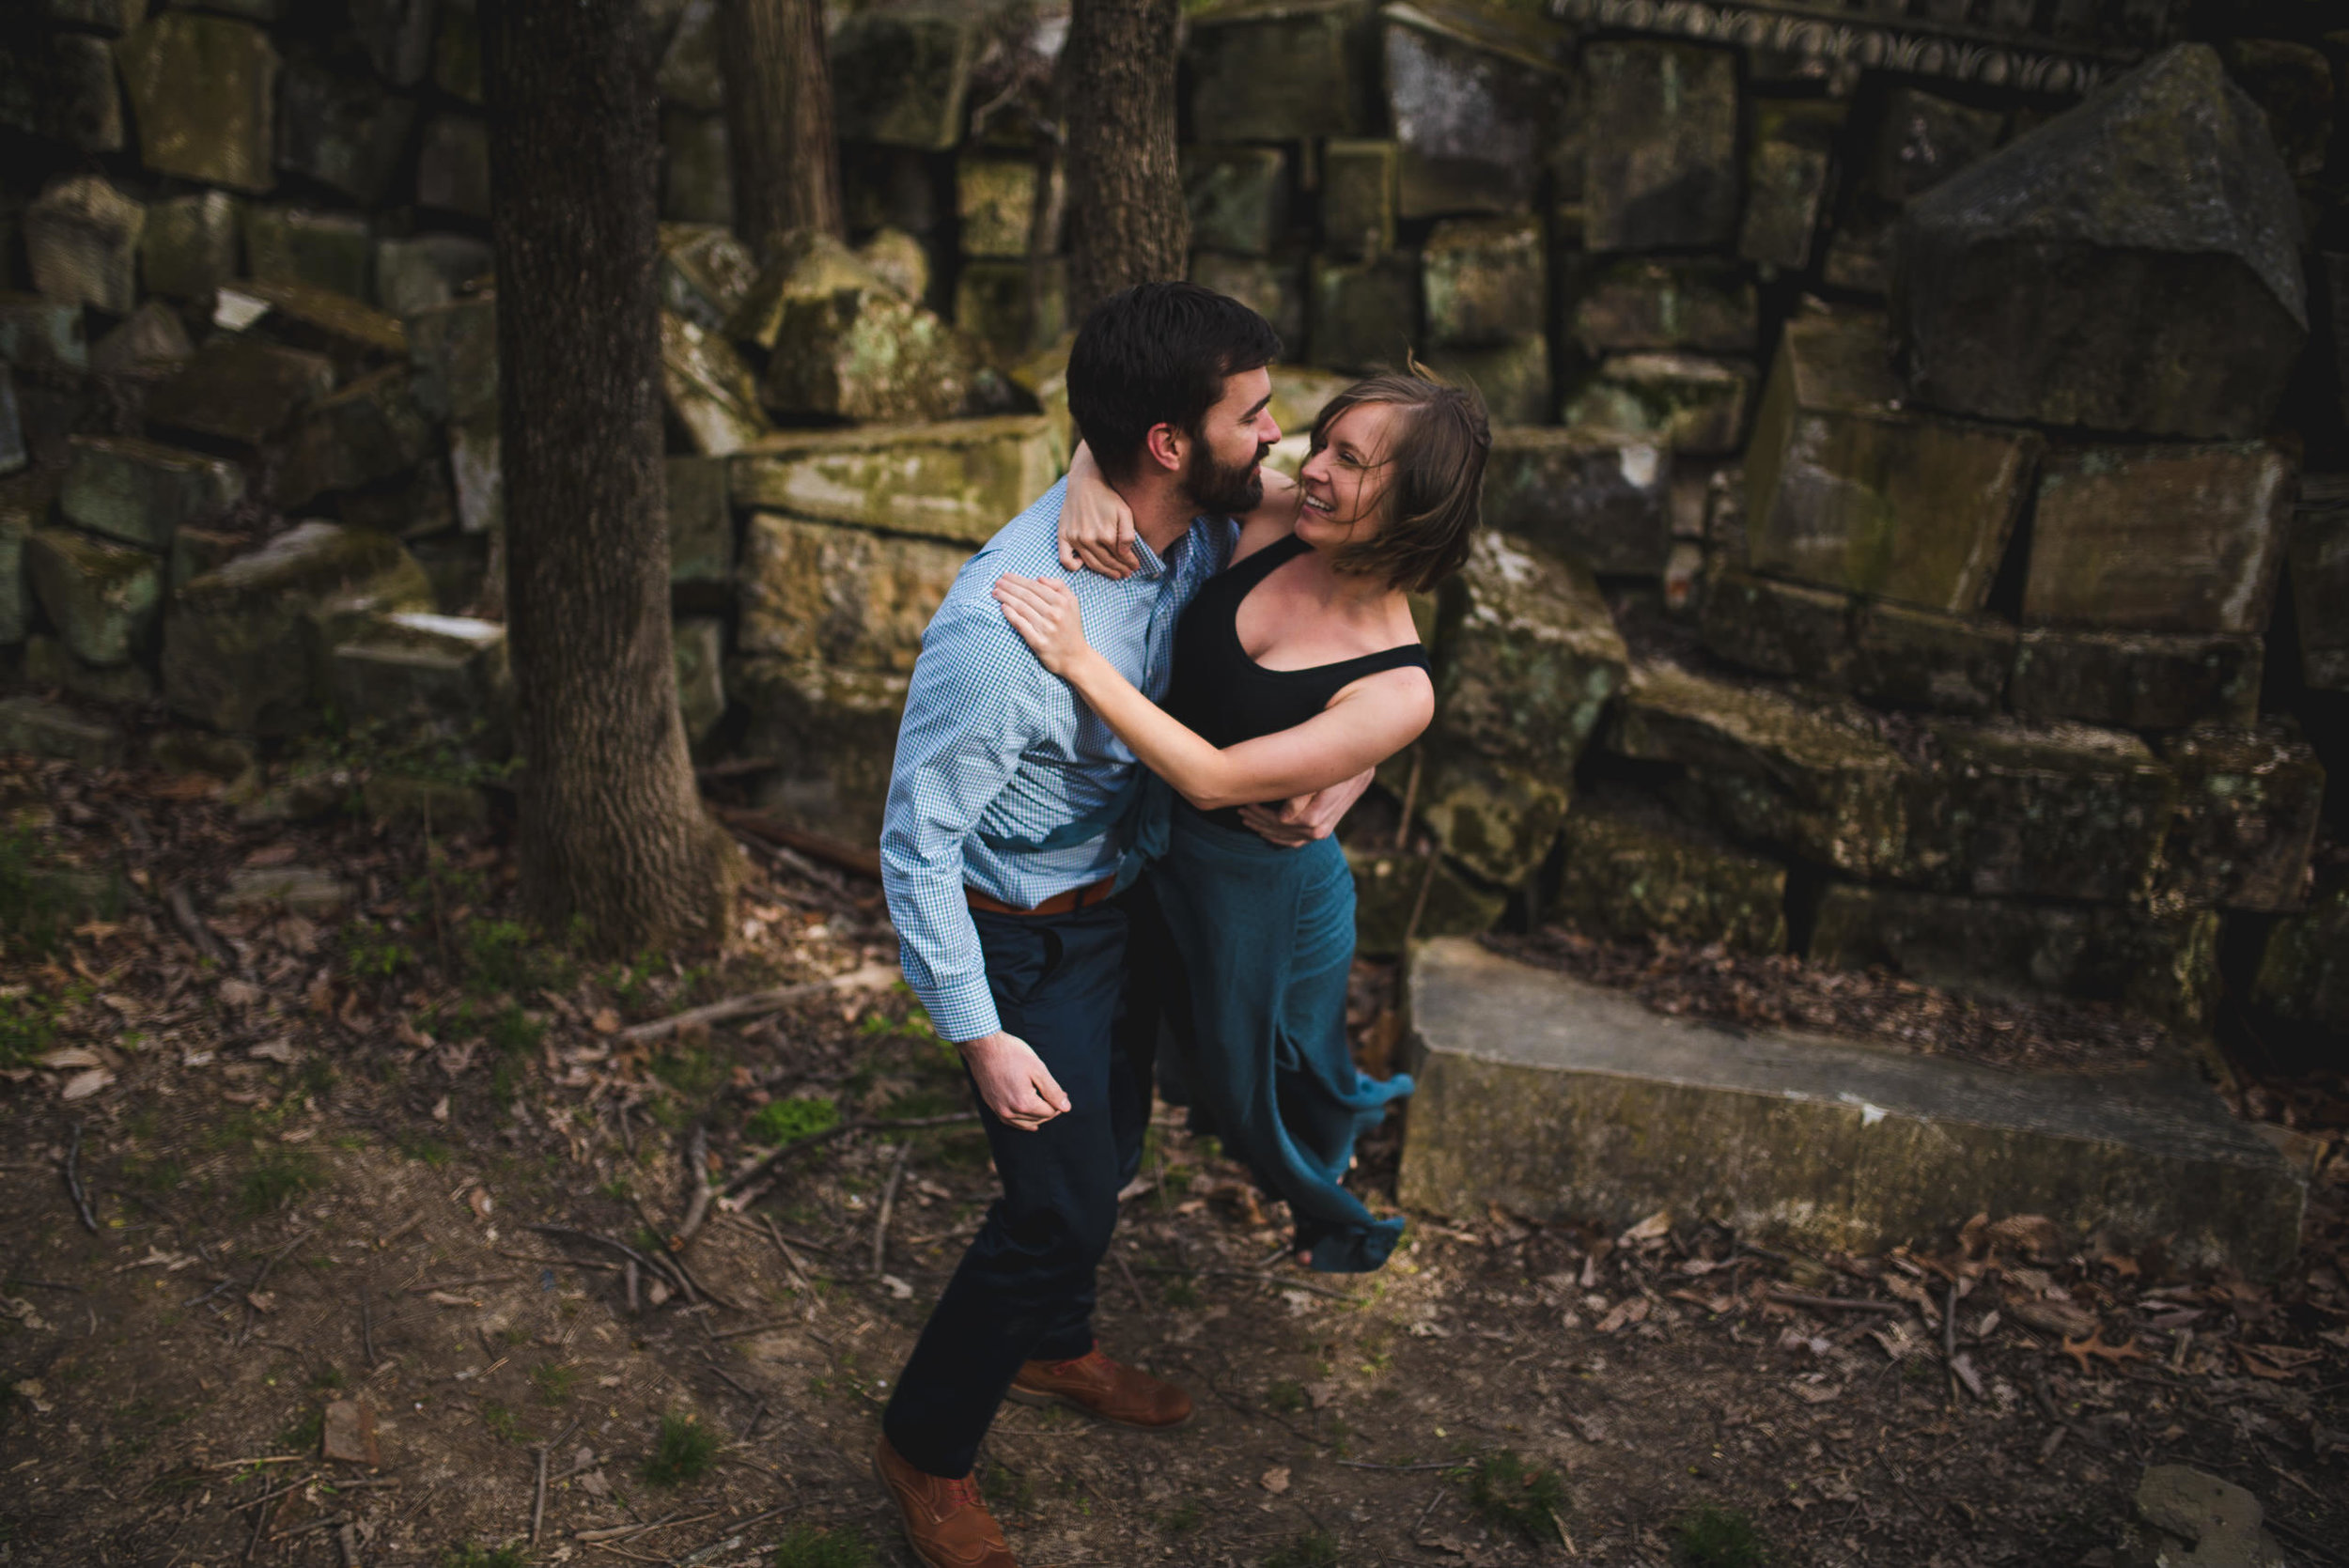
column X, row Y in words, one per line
column 43, row 334
column 872, row 354
column 902, row 76
column 815, row 592
column 995, row 202
column 1780, row 629
column 45, row 729
column 1528, row 658
column 1654, row 303
column 453, row 349
column 1012, row 308
column 1665, row 172
column 1496, row 819
column 1240, row 198
column 833, row 732
column 1358, row 196
column 2248, row 801
column 1684, row 401
column 1484, row 280
column 48, row 665
column 102, row 596
column 1512, row 376
column 959, row 480
column 326, row 250
column 82, row 238
column 240, row 390
column 705, row 272
column 2303, row 974
column 417, row 674
column 1595, row 498
column 700, row 523
column 2137, row 680
column 710, row 390
column 1388, row 885
column 1481, row 104
column 204, row 92
column 1363, row 314
column 1903, row 657
column 1629, row 869
column 370, row 430
column 141, row 491
column 346, row 131
column 1788, row 158
column 1278, row 71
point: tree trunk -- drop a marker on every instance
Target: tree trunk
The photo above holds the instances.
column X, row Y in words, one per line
column 614, row 842
column 779, row 136
column 1127, row 223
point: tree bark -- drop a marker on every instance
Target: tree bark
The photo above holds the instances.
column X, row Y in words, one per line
column 1126, row 223
column 613, row 842
column 779, row 129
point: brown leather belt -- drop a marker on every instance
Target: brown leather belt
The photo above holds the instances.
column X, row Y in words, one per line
column 1059, row 904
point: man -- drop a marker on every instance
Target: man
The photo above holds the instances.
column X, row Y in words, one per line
column 1014, row 828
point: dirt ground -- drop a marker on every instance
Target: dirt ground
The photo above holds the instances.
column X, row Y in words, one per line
column 313, row 1160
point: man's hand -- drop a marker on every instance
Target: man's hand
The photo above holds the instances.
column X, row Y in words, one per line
column 1013, row 1081
column 1298, row 822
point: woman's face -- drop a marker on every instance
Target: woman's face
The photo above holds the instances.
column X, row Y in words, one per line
column 1345, row 481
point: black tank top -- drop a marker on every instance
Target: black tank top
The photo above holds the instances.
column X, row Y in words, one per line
column 1227, row 697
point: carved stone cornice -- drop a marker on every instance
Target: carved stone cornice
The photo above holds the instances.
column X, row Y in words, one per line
column 1911, row 44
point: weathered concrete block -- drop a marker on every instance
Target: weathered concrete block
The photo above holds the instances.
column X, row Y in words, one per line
column 2152, row 226
column 2165, row 966
column 2320, row 579
column 1364, row 313
column 1483, row 279
column 696, row 171
column 45, row 729
column 693, row 69
column 49, row 666
column 959, row 480
column 1631, row 870
column 2248, row 801
column 1358, row 198
column 241, row 391
column 43, row 334
column 1596, row 499
column 1476, row 97
column 871, row 356
column 700, row 523
column 1788, row 160
column 1692, row 405
column 1552, row 1097
column 2160, row 539
column 413, row 674
column 1387, row 892
column 1239, row 197
column 247, row 647
column 1665, row 173
column 1278, row 73
column 815, row 592
column 901, row 77
column 697, row 652
column 1924, row 139
column 453, row 165
column 142, row 492
column 1013, row 308
column 454, row 347
column 1272, row 287
column 428, row 270
column 102, row 596
column 151, row 338
column 62, row 85
column 1909, row 657
column 204, row 93
column 82, row 237
column 995, row 200
column 346, row 132
column 2303, row 972
column 1780, row 629
column 334, row 250
column 188, row 246
column 710, row 390
column 1497, row 820
column 1699, row 304
column 1529, row 656
column 2137, row 680
column 369, row 431
column 1512, row 376
column 834, row 730
column 1844, row 491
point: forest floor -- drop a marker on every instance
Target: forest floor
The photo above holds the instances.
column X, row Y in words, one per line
column 316, row 1150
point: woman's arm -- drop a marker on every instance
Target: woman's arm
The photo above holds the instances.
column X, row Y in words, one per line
column 1368, row 722
column 1096, row 527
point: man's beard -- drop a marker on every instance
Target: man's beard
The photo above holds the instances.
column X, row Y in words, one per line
column 1223, row 489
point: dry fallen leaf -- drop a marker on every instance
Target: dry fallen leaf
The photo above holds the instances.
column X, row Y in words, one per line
column 2080, row 1350
column 1275, row 1479
column 72, row 1056
column 1654, row 1225
column 81, row 1086
column 605, row 1021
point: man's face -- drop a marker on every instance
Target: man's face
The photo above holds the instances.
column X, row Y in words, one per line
column 1224, row 472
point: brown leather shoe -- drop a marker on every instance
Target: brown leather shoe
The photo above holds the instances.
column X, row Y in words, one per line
column 945, row 1523
column 1099, row 1387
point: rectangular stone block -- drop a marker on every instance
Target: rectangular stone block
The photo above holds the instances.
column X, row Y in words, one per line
column 1272, row 287
column 43, row 334
column 453, row 165
column 326, row 250
column 188, row 246
column 1476, row 97
column 1650, row 303
column 2320, row 579
column 476, row 473
column 902, row 77
column 701, row 522
column 959, row 480
column 1364, row 313
column 1512, row 376
column 141, row 491
column 2163, row 965
column 454, row 347
column 430, row 270
column 81, row 239
column 1358, row 198
column 1554, row 1099
column 1600, row 501
column 2137, row 680
column 372, row 430
column 1788, row 160
column 995, row 200
column 1909, row 657
column 2303, row 974
column 1630, row 870
column 1388, row 885
column 835, row 733
column 203, row 91
column 697, row 653
column 1844, row 491
column 102, row 596
column 346, row 132
column 35, row 728
column 817, row 593
column 1528, row 657
column 1239, row 197
column 144, row 344
column 2160, row 539
column 1015, row 307
column 413, row 674
column 1664, row 174
column 1780, row 629
column 1483, row 279
column 1497, row 820
column 1282, row 72
column 1692, row 405
column 62, row 85
column 2248, row 802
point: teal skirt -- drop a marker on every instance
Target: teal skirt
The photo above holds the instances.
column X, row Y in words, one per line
column 1266, row 936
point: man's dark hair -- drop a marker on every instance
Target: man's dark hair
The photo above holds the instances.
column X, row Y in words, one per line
column 1157, row 354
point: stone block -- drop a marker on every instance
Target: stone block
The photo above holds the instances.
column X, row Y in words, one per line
column 701, row 524
column 203, row 91
column 1555, row 1099
column 2248, row 801
column 2185, row 1516
column 476, row 473
column 2303, row 974
column 1483, row 279
column 833, row 732
column 1650, row 303
column 811, row 265
column 241, row 391
column 412, row 676
column 42, row 335
column 1904, row 657
column 48, row 666
column 1789, row 158
column 372, row 430
column 958, row 480
column 1772, row 768
column 142, row 492
column 1238, row 197
column 1013, row 308
column 705, row 273
column 2137, row 680
column 188, row 246
column 872, row 355
column 899, row 260
column 889, row 187
column 1495, row 820
column 352, row 334
column 2160, row 539
column 1358, row 198
column 248, row 647
column 2163, row 965
column 995, row 201
column 197, row 551
column 1528, row 659
column 62, row 85
column 454, row 347
column 457, row 51
column 1388, row 886
column 1363, row 314
column 1629, row 870
column 13, row 453
column 697, row 174
column 1689, row 404
column 2154, row 225
column 102, row 596
column 326, row 250
column 45, row 729
column 1512, row 377
column 1780, row 629
column 1278, row 73
column 818, row 593
column 398, row 35
column 453, row 165
column 1476, row 97
column 2320, row 580
column 901, row 77
column 416, row 505
column 697, row 650
column 1844, row 491
column 1595, row 499
column 16, row 584
column 1665, row 174
column 1924, row 139
column 430, row 270
column 81, row 237
column 150, row 340
column 710, row 390
column 1272, row 287
column 346, row 132
column 691, row 70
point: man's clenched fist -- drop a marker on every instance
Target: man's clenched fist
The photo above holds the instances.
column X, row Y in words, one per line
column 1013, row 1081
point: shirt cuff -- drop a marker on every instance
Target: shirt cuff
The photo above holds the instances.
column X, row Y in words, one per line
column 963, row 1013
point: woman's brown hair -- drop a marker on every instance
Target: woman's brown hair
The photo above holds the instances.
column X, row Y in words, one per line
column 1436, row 490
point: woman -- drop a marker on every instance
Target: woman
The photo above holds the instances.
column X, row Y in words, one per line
column 1296, row 668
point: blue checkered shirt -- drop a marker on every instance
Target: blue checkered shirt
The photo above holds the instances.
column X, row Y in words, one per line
column 1004, row 781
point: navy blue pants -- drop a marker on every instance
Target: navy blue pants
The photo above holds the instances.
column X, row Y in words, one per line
column 1025, row 1289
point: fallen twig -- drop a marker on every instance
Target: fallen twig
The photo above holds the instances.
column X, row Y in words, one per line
column 73, row 1182
column 848, row 857
column 889, row 1203
column 1257, row 1275
column 200, row 935
column 1836, row 1303
column 366, row 1324
column 253, row 1313
column 696, row 1210
column 1431, row 1465
column 432, row 1286
column 790, row 1258
column 751, row 1004
column 1131, row 1284
column 753, row 1329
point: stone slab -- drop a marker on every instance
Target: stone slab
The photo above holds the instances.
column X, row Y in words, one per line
column 710, row 390
column 2248, row 802
column 1903, row 657
column 1665, row 174
column 958, row 480
column 1595, row 497
column 1277, row 72
column 815, row 592
column 1526, row 656
column 1628, row 869
column 411, row 674
column 1561, row 1100
column 203, row 91
column 141, row 491
column 2146, row 680
column 1778, row 628
column 45, row 729
column 834, row 734
column 1479, row 102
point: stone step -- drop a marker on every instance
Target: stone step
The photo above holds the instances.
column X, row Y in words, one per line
column 1556, row 1098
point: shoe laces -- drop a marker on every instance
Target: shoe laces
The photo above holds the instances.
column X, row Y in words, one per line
column 963, row 1491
